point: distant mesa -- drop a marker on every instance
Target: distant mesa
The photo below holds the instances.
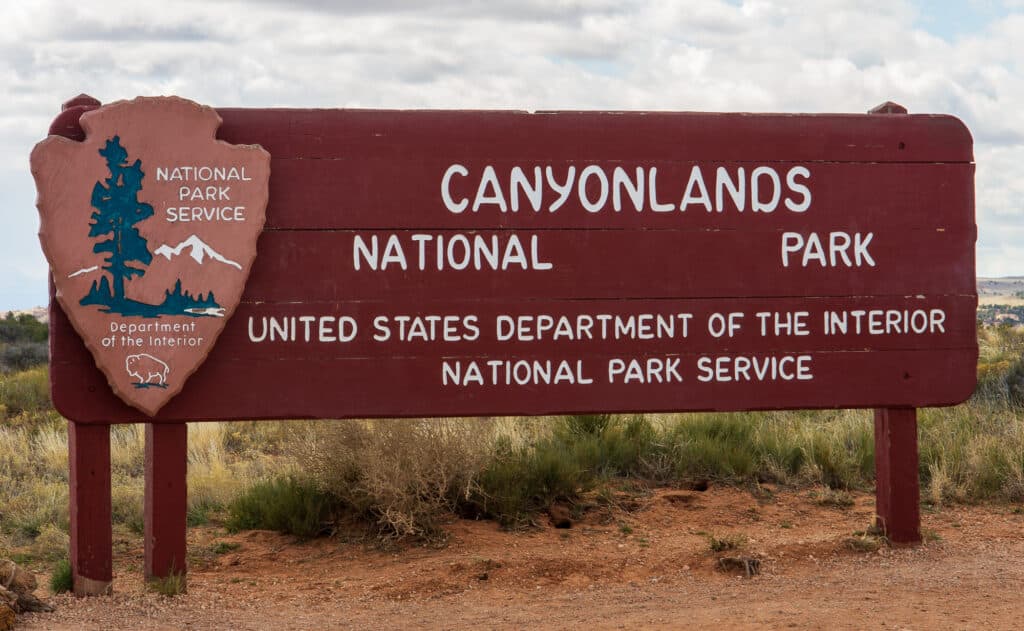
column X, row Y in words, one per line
column 198, row 250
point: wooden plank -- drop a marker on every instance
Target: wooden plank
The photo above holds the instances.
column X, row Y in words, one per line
column 310, row 134
column 405, row 192
column 90, row 525
column 897, row 490
column 389, row 360
column 317, row 387
column 166, row 500
column 410, row 328
column 319, row 266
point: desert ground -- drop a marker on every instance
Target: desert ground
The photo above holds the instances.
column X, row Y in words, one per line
column 642, row 561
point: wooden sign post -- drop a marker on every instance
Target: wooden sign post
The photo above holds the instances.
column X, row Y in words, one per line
column 437, row 263
column 897, row 486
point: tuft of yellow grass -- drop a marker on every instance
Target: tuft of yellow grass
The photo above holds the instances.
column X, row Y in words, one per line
column 127, row 450
column 225, row 458
column 50, row 450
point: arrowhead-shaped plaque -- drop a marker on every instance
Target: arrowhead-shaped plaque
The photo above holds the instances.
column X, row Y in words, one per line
column 150, row 227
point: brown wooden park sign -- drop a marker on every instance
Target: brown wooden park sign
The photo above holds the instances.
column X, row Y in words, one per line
column 439, row 263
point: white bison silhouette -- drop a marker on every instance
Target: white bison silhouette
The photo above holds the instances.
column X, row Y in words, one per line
column 146, row 368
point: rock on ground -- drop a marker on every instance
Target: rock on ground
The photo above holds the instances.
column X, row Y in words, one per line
column 6, row 618
column 17, row 588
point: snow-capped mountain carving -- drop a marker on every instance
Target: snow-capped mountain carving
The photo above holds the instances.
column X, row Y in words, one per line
column 84, row 270
column 199, row 251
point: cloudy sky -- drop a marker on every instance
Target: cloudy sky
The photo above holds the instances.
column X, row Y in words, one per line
column 964, row 58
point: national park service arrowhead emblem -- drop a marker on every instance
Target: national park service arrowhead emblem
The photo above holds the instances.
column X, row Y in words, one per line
column 150, row 227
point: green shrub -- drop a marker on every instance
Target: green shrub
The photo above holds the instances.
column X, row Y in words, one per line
column 61, row 580
column 623, row 449
column 286, row 504
column 197, row 516
column 521, row 480
column 23, row 355
column 718, row 446
column 22, row 328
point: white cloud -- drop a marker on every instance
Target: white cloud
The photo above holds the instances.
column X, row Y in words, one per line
column 827, row 56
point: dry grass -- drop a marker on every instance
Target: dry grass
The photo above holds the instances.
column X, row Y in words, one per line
column 51, row 544
column 863, row 542
column 127, row 450
column 216, row 473
column 408, row 475
column 171, row 585
column 34, row 470
column 723, row 543
column 834, row 498
column 23, row 395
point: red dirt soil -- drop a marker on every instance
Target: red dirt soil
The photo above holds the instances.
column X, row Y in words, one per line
column 645, row 563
